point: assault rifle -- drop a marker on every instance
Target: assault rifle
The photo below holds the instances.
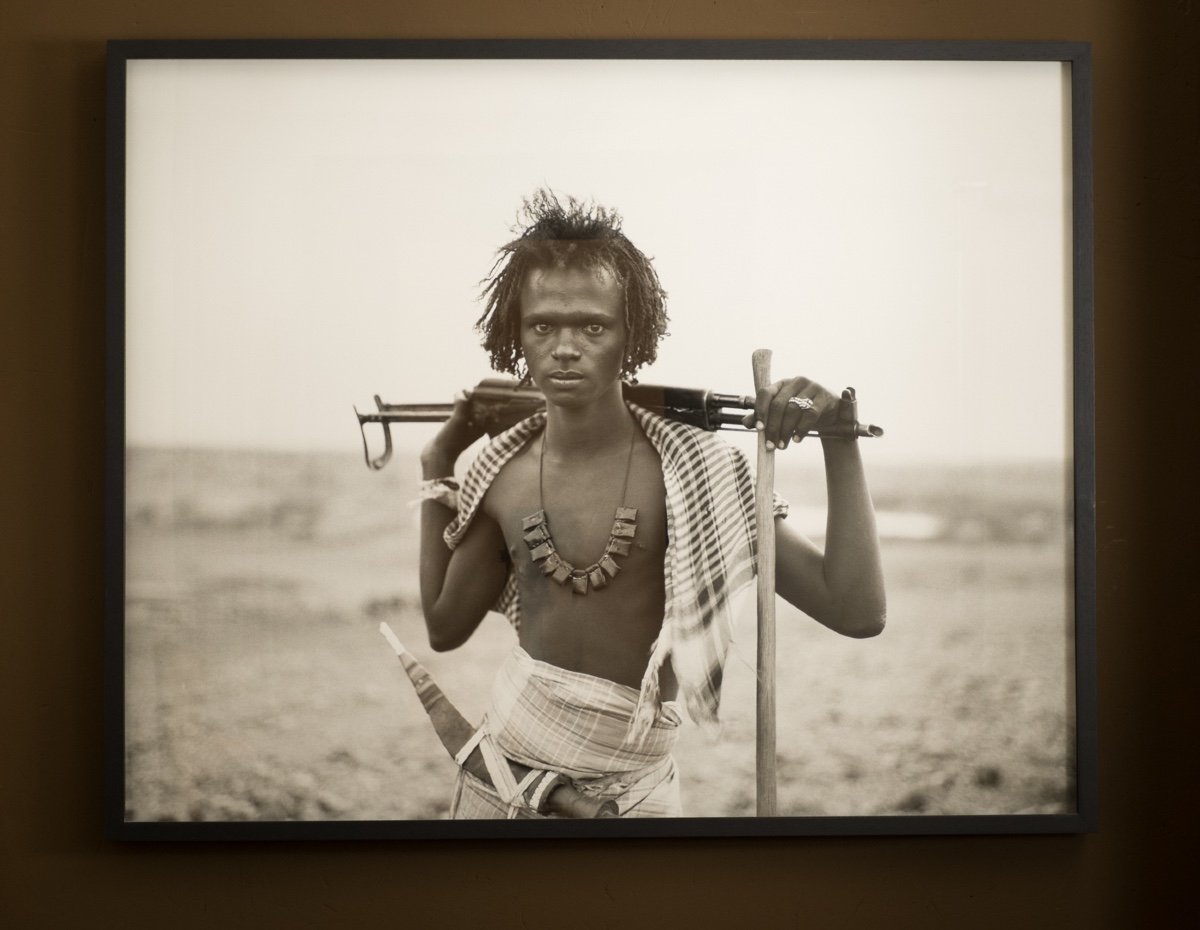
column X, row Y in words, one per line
column 499, row 403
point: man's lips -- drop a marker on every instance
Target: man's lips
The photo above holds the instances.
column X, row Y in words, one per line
column 564, row 376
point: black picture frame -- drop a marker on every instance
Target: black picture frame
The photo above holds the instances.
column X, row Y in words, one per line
column 1074, row 55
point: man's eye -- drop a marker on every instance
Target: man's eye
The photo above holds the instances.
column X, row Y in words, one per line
column 541, row 328
column 594, row 329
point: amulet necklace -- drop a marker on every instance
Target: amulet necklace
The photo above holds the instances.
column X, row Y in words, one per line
column 542, row 550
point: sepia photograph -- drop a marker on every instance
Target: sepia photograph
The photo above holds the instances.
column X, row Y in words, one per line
column 578, row 439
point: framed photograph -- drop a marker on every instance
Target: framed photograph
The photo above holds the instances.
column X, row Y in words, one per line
column 389, row 327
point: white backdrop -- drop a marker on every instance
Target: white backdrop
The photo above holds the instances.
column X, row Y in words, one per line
column 304, row 234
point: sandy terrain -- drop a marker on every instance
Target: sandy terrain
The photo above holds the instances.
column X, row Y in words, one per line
column 258, row 687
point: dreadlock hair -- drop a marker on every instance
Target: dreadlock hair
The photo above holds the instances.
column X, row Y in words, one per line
column 571, row 235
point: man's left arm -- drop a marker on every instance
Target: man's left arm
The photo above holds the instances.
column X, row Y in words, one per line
column 841, row 587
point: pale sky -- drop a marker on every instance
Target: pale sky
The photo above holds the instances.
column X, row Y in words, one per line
column 305, row 234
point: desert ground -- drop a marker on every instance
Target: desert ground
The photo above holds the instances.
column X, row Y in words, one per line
column 258, row 688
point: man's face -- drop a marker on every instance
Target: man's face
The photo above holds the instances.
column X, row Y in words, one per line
column 573, row 332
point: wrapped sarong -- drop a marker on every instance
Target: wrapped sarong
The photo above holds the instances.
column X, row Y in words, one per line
column 558, row 720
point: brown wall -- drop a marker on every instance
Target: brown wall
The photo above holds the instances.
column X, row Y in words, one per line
column 59, row 871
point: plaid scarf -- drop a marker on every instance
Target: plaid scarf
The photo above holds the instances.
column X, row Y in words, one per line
column 710, row 557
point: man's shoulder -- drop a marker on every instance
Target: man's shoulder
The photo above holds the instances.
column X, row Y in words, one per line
column 513, row 471
column 501, row 449
column 483, row 471
column 668, row 434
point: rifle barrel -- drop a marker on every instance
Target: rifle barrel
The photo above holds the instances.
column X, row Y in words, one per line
column 408, row 413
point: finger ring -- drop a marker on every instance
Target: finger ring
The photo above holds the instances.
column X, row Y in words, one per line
column 803, row 403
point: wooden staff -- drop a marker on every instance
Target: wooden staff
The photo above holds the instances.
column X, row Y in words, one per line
column 764, row 518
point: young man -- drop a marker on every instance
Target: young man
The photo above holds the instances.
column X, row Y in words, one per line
column 612, row 538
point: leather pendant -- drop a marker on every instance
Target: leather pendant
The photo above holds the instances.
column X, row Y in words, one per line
column 538, row 534
column 534, row 519
column 623, row 530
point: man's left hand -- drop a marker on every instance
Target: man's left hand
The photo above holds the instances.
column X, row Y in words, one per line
column 787, row 410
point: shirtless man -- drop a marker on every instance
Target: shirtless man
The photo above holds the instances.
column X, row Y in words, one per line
column 601, row 554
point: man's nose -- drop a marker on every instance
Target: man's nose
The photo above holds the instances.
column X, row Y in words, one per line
column 565, row 348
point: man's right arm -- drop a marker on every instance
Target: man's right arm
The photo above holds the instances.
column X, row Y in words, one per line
column 459, row 586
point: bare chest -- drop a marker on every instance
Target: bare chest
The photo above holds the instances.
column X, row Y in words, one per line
column 612, row 504
column 604, row 629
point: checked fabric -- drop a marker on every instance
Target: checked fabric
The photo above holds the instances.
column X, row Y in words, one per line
column 711, row 552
